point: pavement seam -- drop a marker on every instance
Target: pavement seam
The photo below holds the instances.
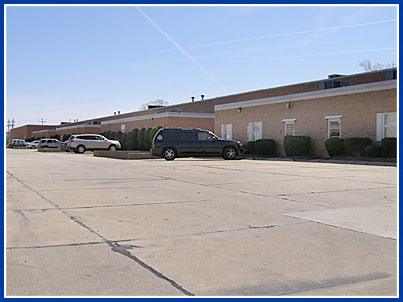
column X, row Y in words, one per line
column 113, row 245
column 111, row 206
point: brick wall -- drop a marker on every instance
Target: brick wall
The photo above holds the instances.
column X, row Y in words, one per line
column 173, row 121
column 358, row 111
column 26, row 131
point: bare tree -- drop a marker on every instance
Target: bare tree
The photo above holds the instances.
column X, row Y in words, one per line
column 159, row 102
column 368, row 66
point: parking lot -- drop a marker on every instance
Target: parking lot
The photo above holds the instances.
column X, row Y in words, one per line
column 82, row 225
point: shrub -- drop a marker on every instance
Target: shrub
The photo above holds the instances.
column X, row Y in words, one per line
column 124, row 141
column 250, row 147
column 152, row 134
column 355, row 146
column 30, row 139
column 297, row 145
column 265, row 147
column 133, row 143
column 388, row 147
column 147, row 134
column 335, row 146
column 372, row 151
column 55, row 136
column 66, row 137
column 118, row 135
column 140, row 138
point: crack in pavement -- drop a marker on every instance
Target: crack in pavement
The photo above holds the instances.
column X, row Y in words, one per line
column 111, row 206
column 53, row 245
column 111, row 244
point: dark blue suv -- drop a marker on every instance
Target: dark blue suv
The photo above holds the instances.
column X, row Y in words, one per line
column 170, row 143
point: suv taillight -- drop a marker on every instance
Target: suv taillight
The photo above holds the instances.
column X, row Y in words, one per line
column 154, row 144
column 72, row 141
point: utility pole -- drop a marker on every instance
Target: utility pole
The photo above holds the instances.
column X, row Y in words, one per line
column 12, row 123
column 42, row 121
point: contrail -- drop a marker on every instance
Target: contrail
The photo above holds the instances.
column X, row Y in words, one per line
column 181, row 50
column 287, row 34
column 314, row 55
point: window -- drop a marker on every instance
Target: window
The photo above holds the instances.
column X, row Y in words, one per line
column 226, row 131
column 334, row 126
column 254, row 131
column 189, row 136
column 390, row 75
column 289, row 126
column 123, row 128
column 332, row 84
column 386, row 125
column 204, row 136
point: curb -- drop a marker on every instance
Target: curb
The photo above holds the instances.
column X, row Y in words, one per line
column 329, row 161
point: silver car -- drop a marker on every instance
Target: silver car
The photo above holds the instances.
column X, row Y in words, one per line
column 49, row 143
column 32, row 145
column 79, row 143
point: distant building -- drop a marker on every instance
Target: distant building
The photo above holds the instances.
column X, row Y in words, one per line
column 358, row 105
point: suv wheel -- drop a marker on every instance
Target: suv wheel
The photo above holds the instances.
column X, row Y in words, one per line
column 112, row 148
column 80, row 149
column 229, row 153
column 169, row 153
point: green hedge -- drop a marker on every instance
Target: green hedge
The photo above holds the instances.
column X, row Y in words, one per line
column 56, row 136
column 266, row 147
column 372, row 151
column 133, row 139
column 147, row 134
column 297, row 145
column 140, row 138
column 389, row 147
column 124, row 141
column 335, row 146
column 118, row 135
column 66, row 137
column 250, row 147
column 355, row 146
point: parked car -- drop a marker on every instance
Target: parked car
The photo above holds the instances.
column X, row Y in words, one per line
column 17, row 143
column 170, row 143
column 81, row 142
column 63, row 146
column 49, row 143
column 32, row 145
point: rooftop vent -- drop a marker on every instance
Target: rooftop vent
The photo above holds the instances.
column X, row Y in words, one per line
column 335, row 75
column 154, row 106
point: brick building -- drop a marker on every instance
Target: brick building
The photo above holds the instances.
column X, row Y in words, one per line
column 362, row 105
column 359, row 105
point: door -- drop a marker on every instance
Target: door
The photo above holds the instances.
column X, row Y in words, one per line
column 188, row 144
column 208, row 143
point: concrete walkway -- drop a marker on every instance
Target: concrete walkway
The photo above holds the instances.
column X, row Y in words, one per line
column 81, row 225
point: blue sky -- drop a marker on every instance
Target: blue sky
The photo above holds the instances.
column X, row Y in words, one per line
column 81, row 62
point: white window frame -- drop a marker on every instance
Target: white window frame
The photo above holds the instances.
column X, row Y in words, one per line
column 226, row 131
column 254, row 135
column 123, row 128
column 334, row 118
column 286, row 122
column 381, row 126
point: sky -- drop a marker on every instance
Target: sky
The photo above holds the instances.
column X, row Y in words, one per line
column 65, row 63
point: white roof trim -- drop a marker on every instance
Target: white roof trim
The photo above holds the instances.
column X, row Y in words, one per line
column 288, row 120
column 317, row 94
column 79, row 126
column 333, row 117
column 160, row 115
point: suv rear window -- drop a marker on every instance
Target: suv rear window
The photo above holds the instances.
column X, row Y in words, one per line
column 170, row 135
